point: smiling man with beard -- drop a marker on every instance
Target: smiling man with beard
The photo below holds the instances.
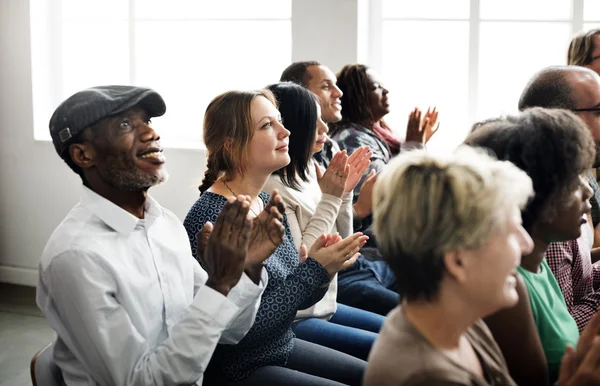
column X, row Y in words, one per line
column 118, row 282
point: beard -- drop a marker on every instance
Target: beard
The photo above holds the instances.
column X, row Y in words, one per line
column 123, row 174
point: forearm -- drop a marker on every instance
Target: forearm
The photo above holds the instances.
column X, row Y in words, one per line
column 95, row 330
column 247, row 297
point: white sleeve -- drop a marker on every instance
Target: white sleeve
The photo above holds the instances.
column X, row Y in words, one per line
column 246, row 295
column 85, row 311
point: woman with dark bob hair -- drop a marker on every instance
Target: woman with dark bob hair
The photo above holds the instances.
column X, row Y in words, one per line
column 321, row 202
column 452, row 230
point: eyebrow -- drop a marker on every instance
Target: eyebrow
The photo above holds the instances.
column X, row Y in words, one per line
column 276, row 117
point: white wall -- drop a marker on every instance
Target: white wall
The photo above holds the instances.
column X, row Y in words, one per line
column 37, row 189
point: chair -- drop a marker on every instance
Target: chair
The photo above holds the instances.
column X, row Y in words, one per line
column 44, row 372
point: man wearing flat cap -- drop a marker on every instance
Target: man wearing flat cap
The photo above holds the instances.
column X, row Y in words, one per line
column 117, row 282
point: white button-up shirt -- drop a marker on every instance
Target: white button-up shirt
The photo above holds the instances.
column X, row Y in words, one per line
column 128, row 301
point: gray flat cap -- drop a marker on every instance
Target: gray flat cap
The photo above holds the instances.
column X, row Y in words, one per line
column 89, row 106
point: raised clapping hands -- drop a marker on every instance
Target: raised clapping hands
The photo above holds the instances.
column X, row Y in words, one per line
column 421, row 130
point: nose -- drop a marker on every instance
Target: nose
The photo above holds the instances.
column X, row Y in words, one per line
column 385, row 91
column 337, row 93
column 323, row 127
column 148, row 134
column 283, row 132
column 525, row 241
column 587, row 191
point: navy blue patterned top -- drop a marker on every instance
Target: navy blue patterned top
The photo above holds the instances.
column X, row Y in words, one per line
column 292, row 286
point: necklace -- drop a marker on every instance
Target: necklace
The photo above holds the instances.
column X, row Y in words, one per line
column 232, row 192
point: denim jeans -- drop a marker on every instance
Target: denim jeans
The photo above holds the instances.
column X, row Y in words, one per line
column 350, row 330
column 368, row 285
column 308, row 365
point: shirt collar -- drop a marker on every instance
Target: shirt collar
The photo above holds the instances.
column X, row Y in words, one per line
column 116, row 217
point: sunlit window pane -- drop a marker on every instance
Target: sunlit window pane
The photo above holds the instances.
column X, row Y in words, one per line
column 507, row 61
column 94, row 10
column 429, row 71
column 445, row 9
column 525, row 9
column 94, row 54
column 193, row 67
column 212, row 9
column 589, row 26
column 591, row 10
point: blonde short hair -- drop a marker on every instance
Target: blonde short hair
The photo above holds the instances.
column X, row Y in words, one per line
column 426, row 205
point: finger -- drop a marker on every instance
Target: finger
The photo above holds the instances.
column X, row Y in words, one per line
column 226, row 211
column 303, row 253
column 363, row 166
column 336, row 161
column 229, row 219
column 345, row 243
column 350, row 261
column 318, row 170
column 567, row 366
column 592, row 357
column 356, row 154
column 364, row 153
column 274, row 214
column 344, row 160
column 345, row 172
column 202, row 239
column 591, row 330
column 358, row 159
column 425, row 124
column 319, row 243
column 244, row 235
column 335, row 238
column 277, row 201
column 237, row 225
column 354, row 247
column 275, row 232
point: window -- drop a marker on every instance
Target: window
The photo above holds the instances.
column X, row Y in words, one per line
column 187, row 50
column 470, row 58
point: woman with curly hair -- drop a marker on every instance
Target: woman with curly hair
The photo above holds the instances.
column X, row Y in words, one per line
column 364, row 105
column 554, row 148
column 455, row 259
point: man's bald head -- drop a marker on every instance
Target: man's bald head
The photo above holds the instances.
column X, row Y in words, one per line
column 549, row 88
column 572, row 88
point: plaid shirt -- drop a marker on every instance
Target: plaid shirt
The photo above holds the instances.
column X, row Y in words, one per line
column 595, row 199
column 578, row 278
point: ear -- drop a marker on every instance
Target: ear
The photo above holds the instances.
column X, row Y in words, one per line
column 227, row 144
column 82, row 154
column 456, row 265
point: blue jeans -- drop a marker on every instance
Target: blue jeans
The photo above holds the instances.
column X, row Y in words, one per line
column 368, row 285
column 350, row 330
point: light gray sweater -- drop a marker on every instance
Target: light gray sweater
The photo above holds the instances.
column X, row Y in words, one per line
column 310, row 214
